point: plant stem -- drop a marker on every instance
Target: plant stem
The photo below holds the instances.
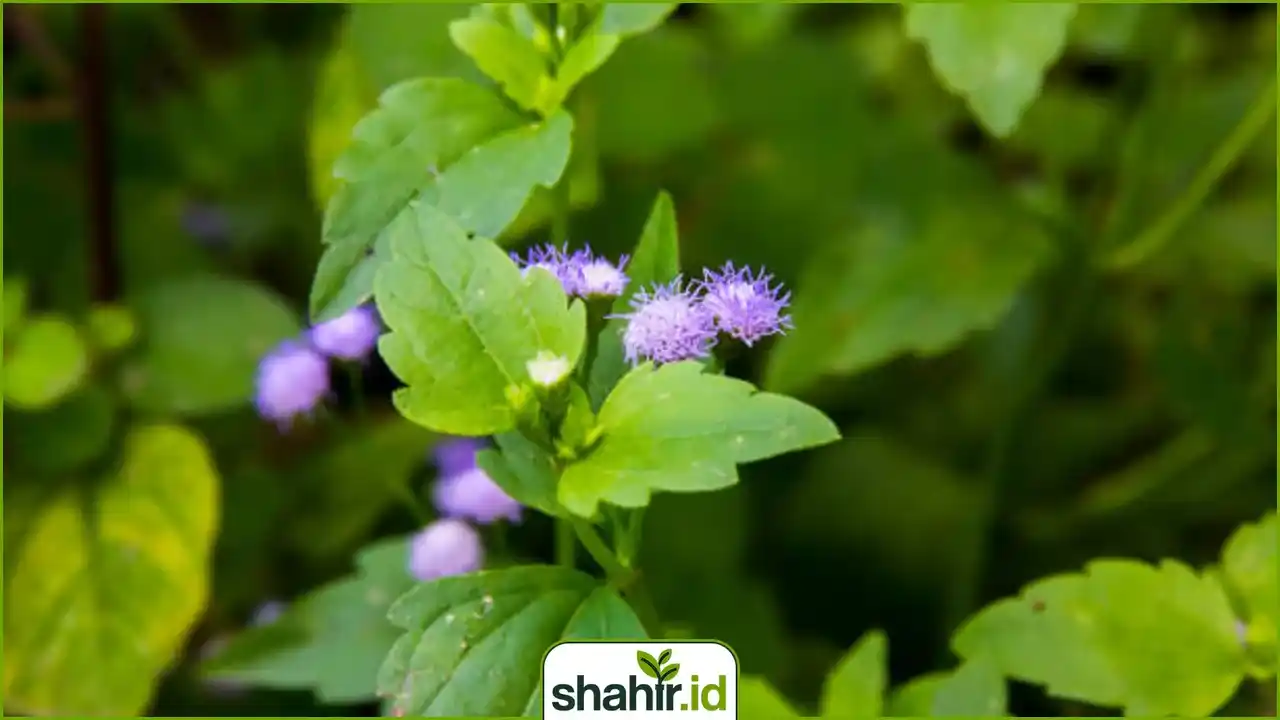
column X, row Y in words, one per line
column 566, row 543
column 95, row 117
column 628, row 581
column 355, row 379
column 1162, row 230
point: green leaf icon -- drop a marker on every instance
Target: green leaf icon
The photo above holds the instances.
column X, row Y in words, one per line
column 669, row 673
column 664, row 658
column 647, row 664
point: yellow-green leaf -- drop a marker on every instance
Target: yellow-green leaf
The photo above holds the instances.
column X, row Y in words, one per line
column 46, row 362
column 110, row 579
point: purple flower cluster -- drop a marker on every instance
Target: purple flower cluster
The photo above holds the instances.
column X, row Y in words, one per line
column 678, row 320
column 581, row 273
column 294, row 377
column 463, row 494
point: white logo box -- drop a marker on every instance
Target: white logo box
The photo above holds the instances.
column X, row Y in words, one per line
column 605, row 679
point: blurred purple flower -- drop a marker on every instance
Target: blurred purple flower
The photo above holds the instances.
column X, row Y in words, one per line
column 445, row 547
column 667, row 324
column 743, row 303
column 466, row 491
column 209, row 224
column 350, row 336
column 456, row 455
column 292, row 380
column 267, row 613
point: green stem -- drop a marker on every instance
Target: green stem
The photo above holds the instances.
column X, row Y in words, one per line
column 566, row 543
column 625, row 579
column 355, row 378
column 1162, row 230
column 598, row 550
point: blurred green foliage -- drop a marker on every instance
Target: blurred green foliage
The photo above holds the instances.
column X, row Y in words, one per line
column 1031, row 251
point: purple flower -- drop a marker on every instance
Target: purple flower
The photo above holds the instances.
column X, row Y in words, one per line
column 466, row 491
column 267, row 613
column 457, row 455
column 597, row 277
column 292, row 380
column 208, row 224
column 743, row 304
column 556, row 261
column 445, row 547
column 667, row 324
column 350, row 336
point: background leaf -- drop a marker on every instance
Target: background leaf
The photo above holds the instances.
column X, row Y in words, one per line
column 995, row 56
column 1177, row 654
column 108, row 581
column 203, row 337
column 856, row 687
column 46, row 362
column 331, row 641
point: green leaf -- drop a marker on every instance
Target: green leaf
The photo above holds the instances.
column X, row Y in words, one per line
column 585, row 57
column 523, row 471
column 656, row 260
column 598, row 42
column 464, row 322
column 508, row 57
column 65, row 437
column 351, row 482
column 915, row 697
column 486, row 188
column 111, row 328
column 975, row 689
column 758, row 700
column 1249, row 567
column 670, row 672
column 935, row 255
column 993, row 55
column 1153, row 640
column 648, row 665
column 333, row 640
column 420, row 128
column 46, row 362
column 203, row 337
column 679, row 429
column 633, row 18
column 378, row 46
column 856, row 687
column 107, row 583
column 474, row 643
